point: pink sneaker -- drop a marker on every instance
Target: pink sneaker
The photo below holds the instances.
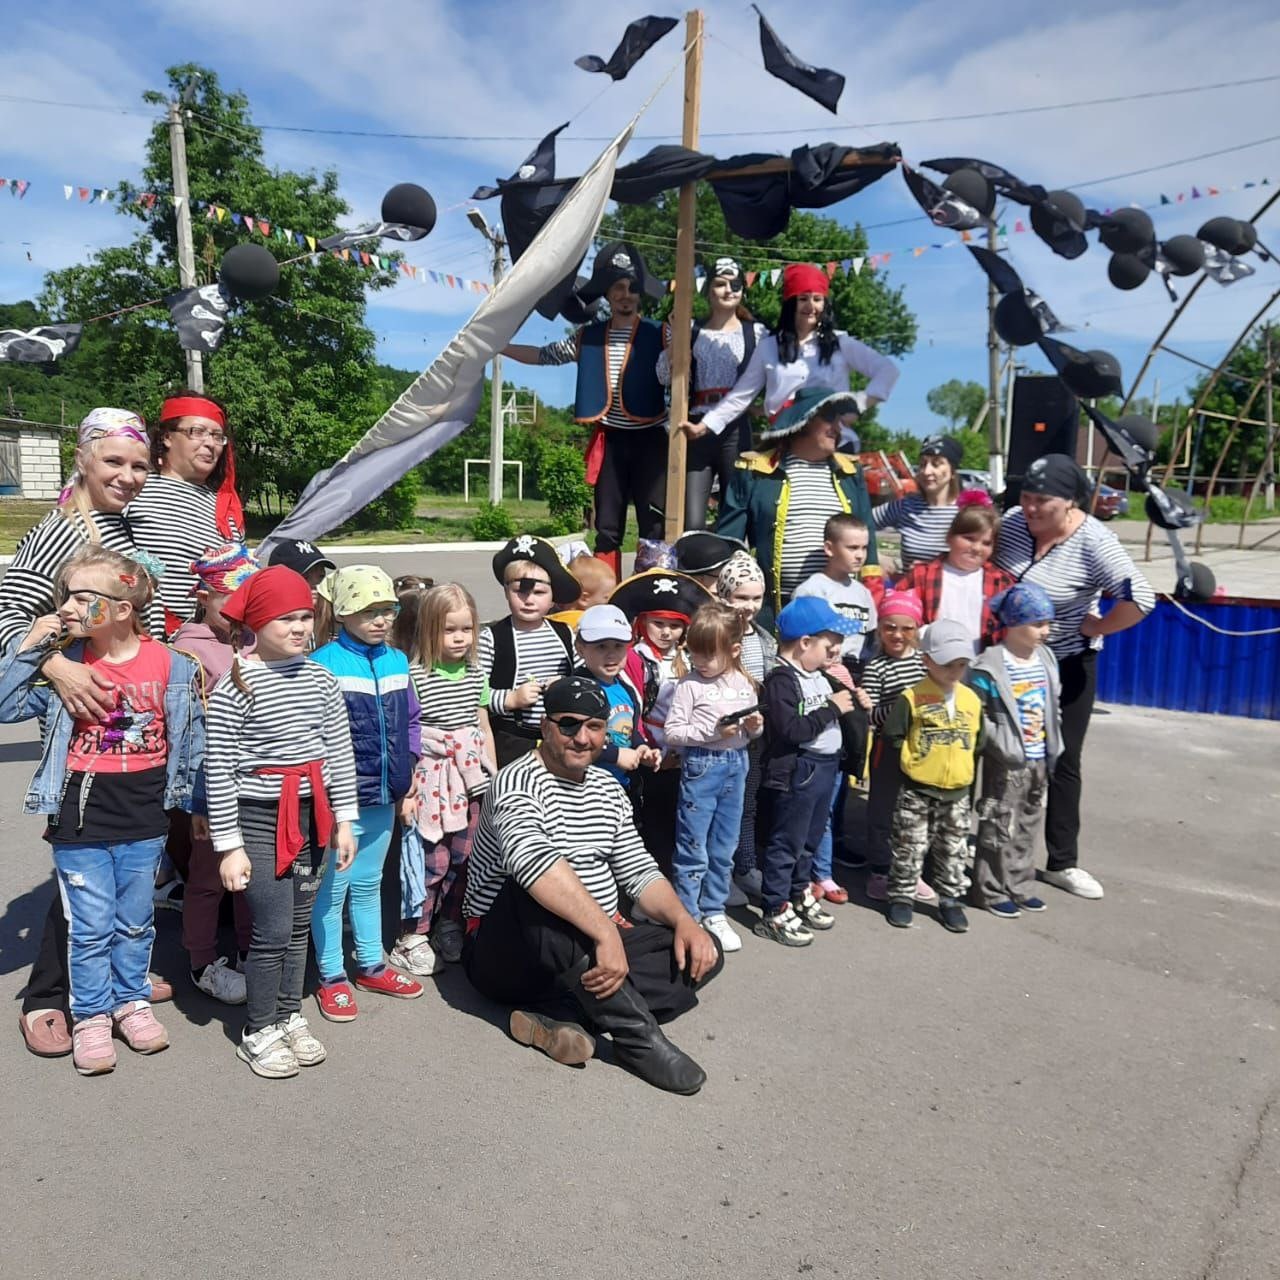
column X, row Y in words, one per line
column 924, row 892
column 878, row 887
column 136, row 1025
column 91, row 1047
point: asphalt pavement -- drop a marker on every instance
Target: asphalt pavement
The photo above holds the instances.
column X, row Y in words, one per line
column 1084, row 1093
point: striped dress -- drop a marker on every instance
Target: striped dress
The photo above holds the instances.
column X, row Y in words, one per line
column 28, row 584
column 177, row 521
column 923, row 528
column 531, row 819
column 296, row 714
column 1076, row 574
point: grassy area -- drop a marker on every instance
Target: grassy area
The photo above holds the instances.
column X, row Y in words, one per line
column 1223, row 509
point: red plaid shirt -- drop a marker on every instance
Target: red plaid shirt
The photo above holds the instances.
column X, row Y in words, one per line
column 925, row 579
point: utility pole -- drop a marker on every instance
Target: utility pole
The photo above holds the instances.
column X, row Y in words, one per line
column 995, row 446
column 182, row 212
column 1269, row 462
column 682, row 313
column 497, row 243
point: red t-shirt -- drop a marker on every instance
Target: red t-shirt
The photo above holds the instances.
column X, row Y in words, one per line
column 132, row 737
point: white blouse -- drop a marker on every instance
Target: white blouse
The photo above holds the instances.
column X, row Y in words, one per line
column 780, row 382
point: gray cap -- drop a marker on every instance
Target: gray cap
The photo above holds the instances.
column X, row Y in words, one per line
column 946, row 640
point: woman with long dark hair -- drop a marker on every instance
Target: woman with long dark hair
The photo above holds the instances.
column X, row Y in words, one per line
column 722, row 347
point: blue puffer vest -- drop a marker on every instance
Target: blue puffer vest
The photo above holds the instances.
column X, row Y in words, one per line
column 375, row 683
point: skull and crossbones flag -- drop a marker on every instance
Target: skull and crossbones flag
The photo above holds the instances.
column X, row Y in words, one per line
column 373, row 231
column 200, row 316
column 41, row 345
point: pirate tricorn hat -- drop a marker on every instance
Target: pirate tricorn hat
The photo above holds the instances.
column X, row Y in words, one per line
column 616, row 261
column 565, row 588
column 659, row 591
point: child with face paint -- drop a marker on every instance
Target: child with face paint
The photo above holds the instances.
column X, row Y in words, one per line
column 104, row 785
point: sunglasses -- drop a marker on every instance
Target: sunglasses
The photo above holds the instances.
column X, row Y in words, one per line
column 87, row 597
column 571, row 726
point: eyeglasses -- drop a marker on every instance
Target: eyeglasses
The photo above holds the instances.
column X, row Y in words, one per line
column 374, row 612
column 571, row 726
column 202, row 434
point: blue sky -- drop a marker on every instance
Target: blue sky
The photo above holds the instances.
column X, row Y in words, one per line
column 505, row 72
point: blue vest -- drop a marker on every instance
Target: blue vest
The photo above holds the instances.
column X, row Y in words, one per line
column 375, row 684
column 643, row 399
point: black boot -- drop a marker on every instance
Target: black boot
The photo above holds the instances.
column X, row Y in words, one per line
column 638, row 1044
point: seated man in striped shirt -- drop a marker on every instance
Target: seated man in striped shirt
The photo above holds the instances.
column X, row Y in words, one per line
column 555, row 845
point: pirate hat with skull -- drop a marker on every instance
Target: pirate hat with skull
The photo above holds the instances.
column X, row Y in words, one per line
column 660, row 591
column 616, row 261
column 565, row 588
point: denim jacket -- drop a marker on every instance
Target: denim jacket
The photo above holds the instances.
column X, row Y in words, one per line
column 24, row 697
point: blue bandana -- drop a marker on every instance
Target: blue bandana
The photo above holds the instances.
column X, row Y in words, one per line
column 1022, row 603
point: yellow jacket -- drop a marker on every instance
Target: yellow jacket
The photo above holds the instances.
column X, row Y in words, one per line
column 937, row 750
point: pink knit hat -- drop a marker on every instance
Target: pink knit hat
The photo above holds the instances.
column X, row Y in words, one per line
column 903, row 604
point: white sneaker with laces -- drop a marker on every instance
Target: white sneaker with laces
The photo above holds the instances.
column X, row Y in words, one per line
column 413, row 954
column 222, row 982
column 1074, row 880
column 306, row 1048
column 719, row 927
column 268, row 1054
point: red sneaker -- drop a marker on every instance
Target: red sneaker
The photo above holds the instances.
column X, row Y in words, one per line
column 337, row 1002
column 390, row 983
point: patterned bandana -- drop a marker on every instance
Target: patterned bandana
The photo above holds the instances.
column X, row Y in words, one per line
column 1022, row 603
column 224, row 569
column 740, row 569
column 355, row 588
column 99, row 425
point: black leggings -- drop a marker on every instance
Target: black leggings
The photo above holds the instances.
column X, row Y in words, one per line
column 1079, row 674
column 710, row 458
column 634, row 469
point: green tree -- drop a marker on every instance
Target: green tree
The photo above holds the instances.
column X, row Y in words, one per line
column 959, row 403
column 866, row 305
column 297, row 371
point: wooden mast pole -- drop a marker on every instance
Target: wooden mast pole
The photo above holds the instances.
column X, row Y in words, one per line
column 682, row 314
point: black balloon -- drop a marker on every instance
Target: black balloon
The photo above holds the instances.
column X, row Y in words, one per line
column 1092, row 374
column 1141, row 430
column 249, row 271
column 410, row 205
column 1127, row 270
column 1127, row 231
column 973, row 189
column 1202, row 585
column 1184, row 254
column 1069, row 206
column 1016, row 323
column 1231, row 235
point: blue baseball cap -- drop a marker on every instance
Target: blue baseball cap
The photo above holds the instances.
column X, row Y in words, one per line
column 809, row 615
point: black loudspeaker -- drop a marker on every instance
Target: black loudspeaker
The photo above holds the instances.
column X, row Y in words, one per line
column 1046, row 417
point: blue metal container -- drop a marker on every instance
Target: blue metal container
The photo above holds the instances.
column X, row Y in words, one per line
column 1173, row 662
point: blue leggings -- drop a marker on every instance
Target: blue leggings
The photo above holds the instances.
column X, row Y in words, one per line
column 363, row 880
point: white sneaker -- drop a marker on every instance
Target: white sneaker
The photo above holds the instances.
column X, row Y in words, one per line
column 222, row 982
column 268, row 1054
column 413, row 954
column 1074, row 880
column 736, row 897
column 306, row 1048
column 719, row 927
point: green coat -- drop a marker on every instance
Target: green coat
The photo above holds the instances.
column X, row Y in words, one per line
column 755, row 510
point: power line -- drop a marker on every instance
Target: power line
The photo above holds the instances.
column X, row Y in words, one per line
column 1001, row 113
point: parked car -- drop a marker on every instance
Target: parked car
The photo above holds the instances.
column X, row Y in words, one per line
column 976, row 480
column 1110, row 503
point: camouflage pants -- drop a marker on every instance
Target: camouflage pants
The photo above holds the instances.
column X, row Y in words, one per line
column 924, row 825
column 1010, row 816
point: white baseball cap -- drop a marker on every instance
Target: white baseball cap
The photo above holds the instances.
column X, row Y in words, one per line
column 604, row 622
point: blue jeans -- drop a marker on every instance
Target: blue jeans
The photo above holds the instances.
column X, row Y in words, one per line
column 822, row 854
column 708, row 823
column 362, row 880
column 107, row 895
column 800, row 816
